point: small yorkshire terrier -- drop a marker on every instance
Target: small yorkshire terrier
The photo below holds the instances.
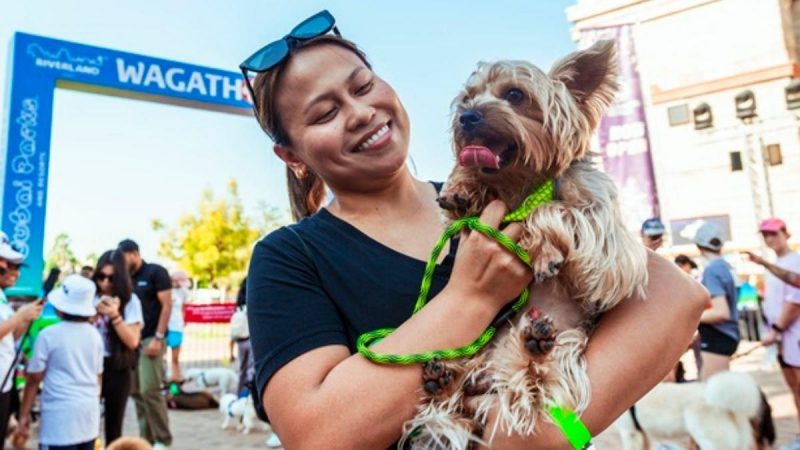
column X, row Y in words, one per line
column 515, row 127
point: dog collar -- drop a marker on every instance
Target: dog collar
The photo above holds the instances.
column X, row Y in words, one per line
column 571, row 426
column 539, row 196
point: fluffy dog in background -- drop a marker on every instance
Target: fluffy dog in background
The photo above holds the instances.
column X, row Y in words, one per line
column 514, row 128
column 728, row 412
column 240, row 410
column 218, row 377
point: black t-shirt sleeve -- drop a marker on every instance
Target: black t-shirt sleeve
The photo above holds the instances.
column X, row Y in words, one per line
column 288, row 311
column 161, row 280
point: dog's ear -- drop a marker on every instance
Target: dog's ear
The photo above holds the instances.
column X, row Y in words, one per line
column 590, row 76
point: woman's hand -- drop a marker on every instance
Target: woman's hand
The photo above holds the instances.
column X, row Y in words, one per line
column 30, row 311
column 486, row 271
column 109, row 306
column 770, row 338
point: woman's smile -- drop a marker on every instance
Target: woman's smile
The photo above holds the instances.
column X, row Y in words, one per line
column 376, row 139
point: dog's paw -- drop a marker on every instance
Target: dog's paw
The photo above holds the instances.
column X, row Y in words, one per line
column 547, row 262
column 436, row 378
column 479, row 385
column 540, row 335
column 453, row 202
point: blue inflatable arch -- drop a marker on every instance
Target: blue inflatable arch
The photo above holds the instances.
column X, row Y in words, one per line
column 40, row 65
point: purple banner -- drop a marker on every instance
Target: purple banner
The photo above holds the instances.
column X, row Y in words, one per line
column 622, row 133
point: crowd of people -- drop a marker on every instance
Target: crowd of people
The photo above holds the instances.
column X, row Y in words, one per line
column 718, row 335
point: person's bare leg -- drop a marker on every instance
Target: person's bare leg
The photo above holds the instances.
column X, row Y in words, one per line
column 713, row 364
column 792, row 377
column 176, row 365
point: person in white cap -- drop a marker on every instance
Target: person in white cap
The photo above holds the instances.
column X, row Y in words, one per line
column 12, row 325
column 68, row 356
column 719, row 326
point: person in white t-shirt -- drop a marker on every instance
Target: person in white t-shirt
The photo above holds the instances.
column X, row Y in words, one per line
column 12, row 325
column 180, row 292
column 119, row 321
column 68, row 357
column 782, row 303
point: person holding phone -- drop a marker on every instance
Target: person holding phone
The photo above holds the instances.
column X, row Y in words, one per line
column 12, row 325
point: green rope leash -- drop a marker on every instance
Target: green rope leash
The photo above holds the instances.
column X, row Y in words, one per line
column 541, row 195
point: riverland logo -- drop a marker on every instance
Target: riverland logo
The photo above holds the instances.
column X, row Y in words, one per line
column 62, row 60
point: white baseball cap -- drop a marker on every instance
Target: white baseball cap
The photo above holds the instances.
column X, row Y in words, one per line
column 75, row 296
column 7, row 252
column 709, row 236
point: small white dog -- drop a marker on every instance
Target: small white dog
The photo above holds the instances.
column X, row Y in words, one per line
column 728, row 412
column 242, row 412
column 224, row 379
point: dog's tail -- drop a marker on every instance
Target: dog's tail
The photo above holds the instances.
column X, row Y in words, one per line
column 734, row 392
column 763, row 426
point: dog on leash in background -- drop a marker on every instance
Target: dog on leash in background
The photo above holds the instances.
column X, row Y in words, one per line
column 727, row 412
column 242, row 412
column 224, row 379
column 514, row 128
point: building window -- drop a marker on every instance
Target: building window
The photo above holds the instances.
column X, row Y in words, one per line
column 773, row 154
column 702, row 117
column 678, row 115
column 736, row 161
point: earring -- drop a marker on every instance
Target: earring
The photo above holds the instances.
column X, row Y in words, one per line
column 300, row 173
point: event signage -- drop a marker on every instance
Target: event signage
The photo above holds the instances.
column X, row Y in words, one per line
column 41, row 64
column 622, row 134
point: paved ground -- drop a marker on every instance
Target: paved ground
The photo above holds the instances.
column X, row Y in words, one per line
column 194, row 430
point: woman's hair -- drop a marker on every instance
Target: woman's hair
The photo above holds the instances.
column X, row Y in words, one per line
column 72, row 317
column 122, row 286
column 684, row 260
column 241, row 296
column 306, row 194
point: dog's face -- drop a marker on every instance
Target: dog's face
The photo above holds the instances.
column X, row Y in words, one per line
column 512, row 121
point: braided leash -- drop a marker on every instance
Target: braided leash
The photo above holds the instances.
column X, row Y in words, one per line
column 541, row 195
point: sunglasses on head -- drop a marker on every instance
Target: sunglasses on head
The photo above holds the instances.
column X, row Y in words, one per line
column 102, row 277
column 275, row 52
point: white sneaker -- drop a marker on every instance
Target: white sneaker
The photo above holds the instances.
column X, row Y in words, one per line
column 160, row 446
column 273, row 441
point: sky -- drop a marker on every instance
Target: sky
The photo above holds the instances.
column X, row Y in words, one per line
column 117, row 164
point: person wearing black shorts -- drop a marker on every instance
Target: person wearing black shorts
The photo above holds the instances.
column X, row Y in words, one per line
column 719, row 327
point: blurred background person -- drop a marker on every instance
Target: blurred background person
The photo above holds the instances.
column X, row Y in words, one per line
column 180, row 294
column 12, row 326
column 719, row 326
column 686, row 264
column 653, row 233
column 153, row 286
column 87, row 272
column 782, row 302
column 119, row 321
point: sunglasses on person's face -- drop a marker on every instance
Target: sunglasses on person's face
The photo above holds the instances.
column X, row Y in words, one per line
column 767, row 234
column 104, row 276
column 3, row 271
column 274, row 53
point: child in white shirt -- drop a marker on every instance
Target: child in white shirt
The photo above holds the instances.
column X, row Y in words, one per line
column 68, row 357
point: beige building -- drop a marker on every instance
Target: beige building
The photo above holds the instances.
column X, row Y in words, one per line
column 696, row 57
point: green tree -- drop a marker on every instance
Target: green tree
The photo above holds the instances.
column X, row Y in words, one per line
column 61, row 255
column 213, row 244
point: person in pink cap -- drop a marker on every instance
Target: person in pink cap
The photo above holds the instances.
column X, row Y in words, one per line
column 782, row 301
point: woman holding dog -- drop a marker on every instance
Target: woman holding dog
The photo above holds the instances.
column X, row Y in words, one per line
column 119, row 321
column 355, row 265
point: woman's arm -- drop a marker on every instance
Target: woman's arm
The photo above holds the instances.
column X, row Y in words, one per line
column 129, row 333
column 633, row 347
column 718, row 312
column 788, row 277
column 353, row 403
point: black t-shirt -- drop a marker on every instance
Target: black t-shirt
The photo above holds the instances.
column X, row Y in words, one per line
column 148, row 281
column 323, row 282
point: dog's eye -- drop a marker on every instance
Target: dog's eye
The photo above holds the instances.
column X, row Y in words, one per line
column 514, row 96
column 465, row 99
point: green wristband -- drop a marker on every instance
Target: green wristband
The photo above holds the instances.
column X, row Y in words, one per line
column 571, row 426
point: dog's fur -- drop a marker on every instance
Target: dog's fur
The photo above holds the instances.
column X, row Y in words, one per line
column 224, row 379
column 242, row 412
column 728, row 412
column 578, row 243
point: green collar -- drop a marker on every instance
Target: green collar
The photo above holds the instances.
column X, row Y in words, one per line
column 539, row 196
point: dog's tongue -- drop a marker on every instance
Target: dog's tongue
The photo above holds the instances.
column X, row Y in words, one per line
column 478, row 156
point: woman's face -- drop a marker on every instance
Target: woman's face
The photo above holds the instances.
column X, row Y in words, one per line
column 105, row 279
column 344, row 123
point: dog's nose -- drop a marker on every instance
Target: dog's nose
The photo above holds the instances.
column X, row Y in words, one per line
column 469, row 119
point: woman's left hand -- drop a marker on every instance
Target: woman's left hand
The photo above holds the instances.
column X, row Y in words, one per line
column 108, row 306
column 770, row 338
